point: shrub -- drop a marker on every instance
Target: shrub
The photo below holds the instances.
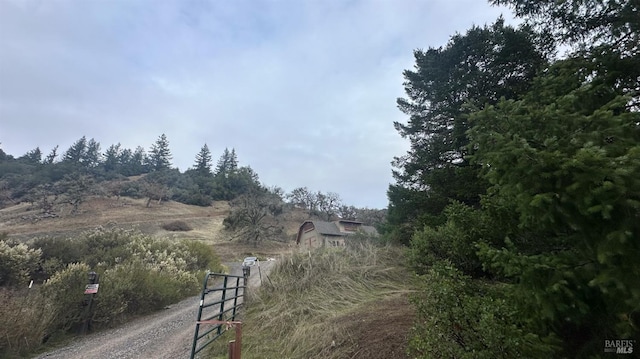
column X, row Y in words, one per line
column 132, row 189
column 201, row 256
column 17, row 262
column 107, row 245
column 138, row 288
column 138, row 274
column 177, row 226
column 463, row 318
column 455, row 240
column 58, row 252
column 65, row 290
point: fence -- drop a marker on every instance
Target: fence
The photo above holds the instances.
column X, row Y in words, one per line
column 218, row 311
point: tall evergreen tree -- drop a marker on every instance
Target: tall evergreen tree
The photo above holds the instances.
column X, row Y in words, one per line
column 112, row 158
column 227, row 164
column 51, row 157
column 203, row 161
column 137, row 161
column 605, row 32
column 567, row 157
column 159, row 155
column 32, row 157
column 83, row 152
column 76, row 152
column 92, row 155
column 472, row 70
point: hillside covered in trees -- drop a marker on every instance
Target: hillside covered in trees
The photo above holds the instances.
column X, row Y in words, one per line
column 84, row 170
column 520, row 195
column 76, row 173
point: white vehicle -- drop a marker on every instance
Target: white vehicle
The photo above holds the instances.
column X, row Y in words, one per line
column 247, row 264
column 249, row 261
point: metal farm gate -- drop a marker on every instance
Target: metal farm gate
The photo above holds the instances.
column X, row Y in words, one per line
column 219, row 305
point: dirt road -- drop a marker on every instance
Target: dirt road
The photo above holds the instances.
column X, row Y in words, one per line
column 167, row 334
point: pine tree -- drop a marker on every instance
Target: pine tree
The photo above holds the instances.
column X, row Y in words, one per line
column 76, row 152
column 474, row 69
column 160, row 155
column 33, row 157
column 51, row 157
column 227, row 164
column 203, row 161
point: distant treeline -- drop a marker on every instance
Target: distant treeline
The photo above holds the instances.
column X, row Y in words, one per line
column 35, row 177
column 83, row 170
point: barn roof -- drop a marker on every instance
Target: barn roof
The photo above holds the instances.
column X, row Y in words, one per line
column 327, row 228
column 332, row 229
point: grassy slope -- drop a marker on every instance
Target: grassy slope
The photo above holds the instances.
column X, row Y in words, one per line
column 349, row 303
column 21, row 222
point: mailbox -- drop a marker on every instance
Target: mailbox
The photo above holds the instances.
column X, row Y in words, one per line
column 93, row 277
column 92, row 287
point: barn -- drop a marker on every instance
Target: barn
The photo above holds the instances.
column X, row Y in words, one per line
column 318, row 234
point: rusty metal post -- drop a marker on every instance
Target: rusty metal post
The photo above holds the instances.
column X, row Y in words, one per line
column 238, row 342
column 232, row 349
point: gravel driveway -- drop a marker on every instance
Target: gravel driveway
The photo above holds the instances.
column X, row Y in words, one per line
column 166, row 334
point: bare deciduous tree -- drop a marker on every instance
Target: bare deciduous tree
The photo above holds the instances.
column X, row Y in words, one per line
column 254, row 217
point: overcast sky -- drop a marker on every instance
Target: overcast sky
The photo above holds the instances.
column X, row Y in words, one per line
column 305, row 91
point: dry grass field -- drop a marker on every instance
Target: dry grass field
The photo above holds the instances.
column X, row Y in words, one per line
column 23, row 222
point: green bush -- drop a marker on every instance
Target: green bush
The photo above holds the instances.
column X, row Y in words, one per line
column 454, row 241
column 65, row 290
column 458, row 317
column 132, row 189
column 201, row 256
column 59, row 252
column 17, row 262
column 135, row 287
column 138, row 274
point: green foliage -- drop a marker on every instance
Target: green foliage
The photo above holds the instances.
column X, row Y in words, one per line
column 227, row 163
column 106, row 248
column 47, row 183
column 567, row 156
column 447, row 84
column 138, row 287
column 454, row 241
column 133, row 189
column 160, row 155
column 203, row 162
column 17, row 263
column 462, row 318
column 561, row 158
column 201, row 256
column 138, row 274
column 65, row 290
column 83, row 154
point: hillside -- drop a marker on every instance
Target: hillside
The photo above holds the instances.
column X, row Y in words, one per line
column 22, row 222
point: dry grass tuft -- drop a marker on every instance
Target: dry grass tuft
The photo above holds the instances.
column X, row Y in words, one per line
column 319, row 304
